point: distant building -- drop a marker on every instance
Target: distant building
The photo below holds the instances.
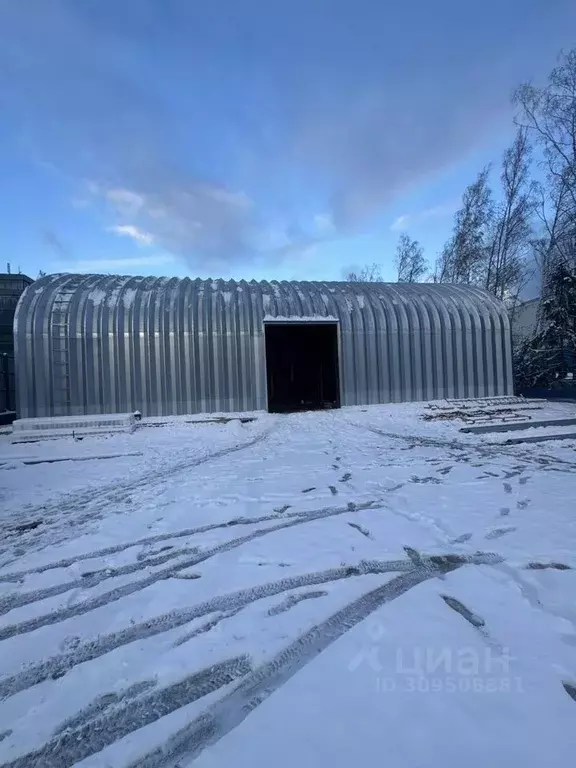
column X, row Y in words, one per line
column 89, row 344
column 11, row 287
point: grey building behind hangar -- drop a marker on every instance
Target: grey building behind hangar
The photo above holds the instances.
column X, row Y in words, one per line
column 11, row 288
column 89, row 344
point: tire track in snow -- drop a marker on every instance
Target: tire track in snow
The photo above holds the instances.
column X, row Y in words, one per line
column 292, row 600
column 11, row 601
column 101, row 703
column 72, row 745
column 96, row 500
column 58, row 665
column 69, row 611
column 15, row 576
column 485, row 450
column 232, row 709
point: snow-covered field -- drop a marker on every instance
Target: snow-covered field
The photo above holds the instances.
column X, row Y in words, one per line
column 354, row 587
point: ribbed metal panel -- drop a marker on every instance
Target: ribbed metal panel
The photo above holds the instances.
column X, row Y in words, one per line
column 88, row 344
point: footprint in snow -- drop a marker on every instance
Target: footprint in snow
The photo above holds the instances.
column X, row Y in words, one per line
column 545, row 566
column 504, row 511
column 461, row 539
column 414, row 555
column 507, row 487
column 333, row 490
column 498, row 532
column 466, row 613
column 362, row 530
column 523, row 480
column 570, row 690
column 416, row 479
column 522, row 504
column 307, row 490
column 345, row 477
column 70, row 643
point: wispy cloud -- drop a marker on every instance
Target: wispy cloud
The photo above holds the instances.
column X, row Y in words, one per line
column 182, row 216
column 339, row 108
column 417, row 217
column 127, row 202
column 324, row 223
column 133, row 232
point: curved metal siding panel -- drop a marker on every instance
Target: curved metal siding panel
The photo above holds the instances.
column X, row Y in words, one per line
column 91, row 344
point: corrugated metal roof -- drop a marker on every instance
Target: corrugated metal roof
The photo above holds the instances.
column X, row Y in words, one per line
column 94, row 343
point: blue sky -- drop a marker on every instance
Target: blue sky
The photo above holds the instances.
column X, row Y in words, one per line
column 274, row 139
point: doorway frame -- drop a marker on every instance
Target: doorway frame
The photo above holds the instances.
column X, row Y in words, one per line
column 307, row 321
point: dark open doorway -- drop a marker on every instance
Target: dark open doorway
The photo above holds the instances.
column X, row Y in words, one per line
column 302, row 366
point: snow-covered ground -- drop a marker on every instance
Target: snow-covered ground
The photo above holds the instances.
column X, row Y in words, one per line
column 335, row 588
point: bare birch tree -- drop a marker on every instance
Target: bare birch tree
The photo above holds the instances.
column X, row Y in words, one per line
column 512, row 232
column 464, row 257
column 549, row 115
column 371, row 273
column 410, row 261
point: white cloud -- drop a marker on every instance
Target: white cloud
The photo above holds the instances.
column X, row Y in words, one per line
column 400, row 223
column 129, row 230
column 324, row 223
column 196, row 220
column 412, row 219
column 128, row 202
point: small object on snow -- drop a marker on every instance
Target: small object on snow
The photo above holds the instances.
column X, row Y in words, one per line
column 137, row 415
column 96, row 457
column 307, row 490
column 42, row 428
